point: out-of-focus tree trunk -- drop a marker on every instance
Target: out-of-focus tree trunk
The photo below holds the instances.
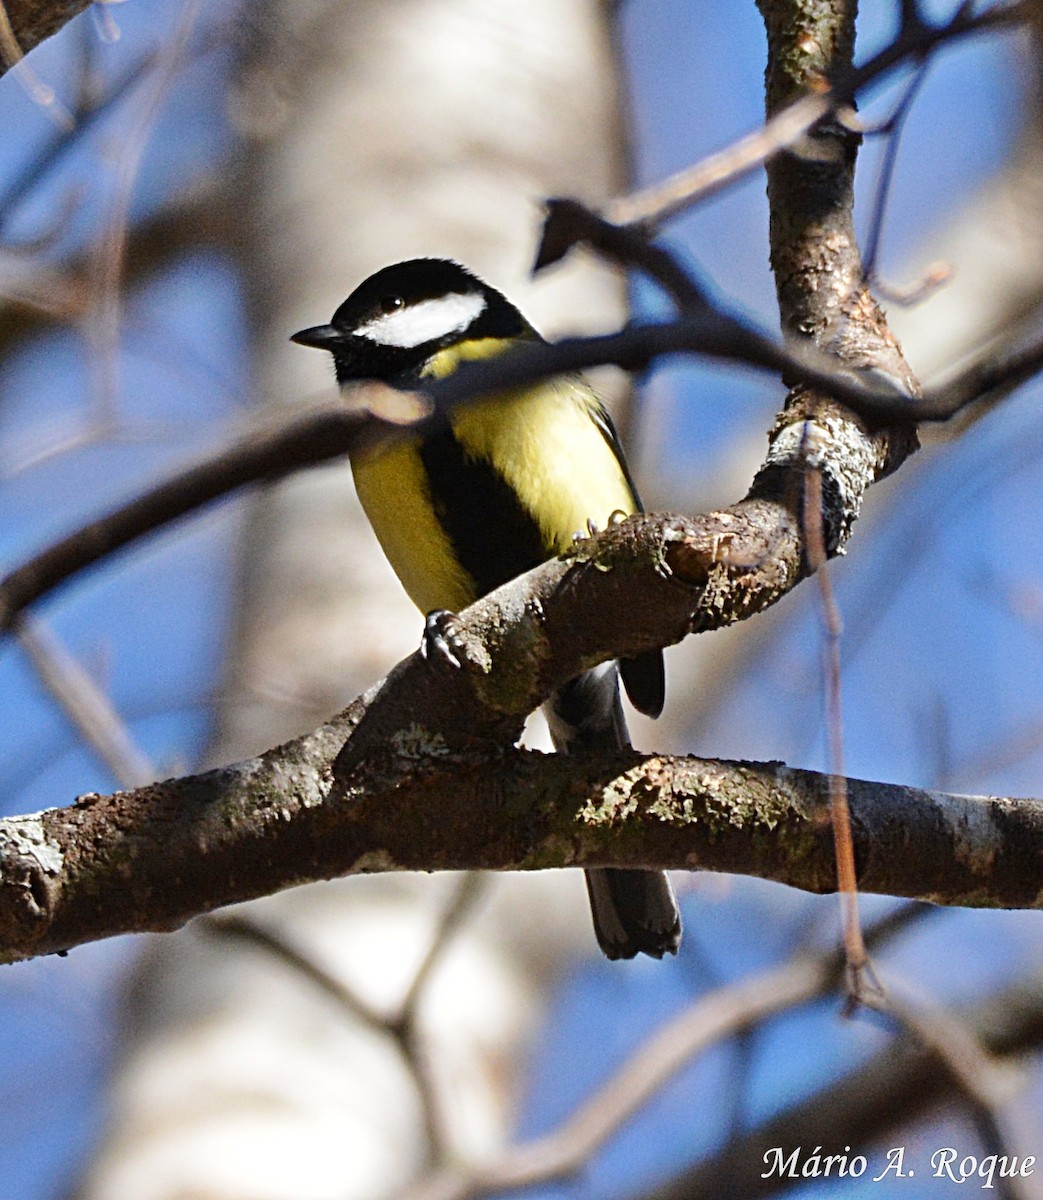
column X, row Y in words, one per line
column 373, row 132
column 995, row 245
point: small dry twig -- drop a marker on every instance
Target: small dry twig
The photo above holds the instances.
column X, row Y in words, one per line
column 89, row 710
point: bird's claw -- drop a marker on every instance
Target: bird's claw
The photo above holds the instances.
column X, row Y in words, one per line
column 439, row 643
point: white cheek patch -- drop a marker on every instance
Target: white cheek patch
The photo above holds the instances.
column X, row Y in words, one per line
column 425, row 321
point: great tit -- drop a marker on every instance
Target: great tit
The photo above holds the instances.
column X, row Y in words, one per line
column 497, row 488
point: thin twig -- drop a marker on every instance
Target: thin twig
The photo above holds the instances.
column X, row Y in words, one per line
column 403, row 1027
column 105, row 313
column 840, row 814
column 87, row 707
column 440, row 1119
column 656, row 204
column 306, row 439
column 321, row 434
column 726, row 1012
column 64, row 140
column 461, row 904
column 40, row 93
column 652, row 206
column 569, row 222
column 992, row 1088
column 898, row 1085
column 248, row 930
column 59, row 293
column 915, row 291
column 893, row 129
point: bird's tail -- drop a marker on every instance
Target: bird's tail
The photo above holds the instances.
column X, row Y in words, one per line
column 634, row 911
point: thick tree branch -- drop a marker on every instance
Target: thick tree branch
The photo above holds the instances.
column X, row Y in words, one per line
column 153, row 858
column 420, row 784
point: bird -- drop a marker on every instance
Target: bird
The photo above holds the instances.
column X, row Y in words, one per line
column 488, row 492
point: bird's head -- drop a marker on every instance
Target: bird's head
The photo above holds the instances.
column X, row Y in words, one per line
column 395, row 321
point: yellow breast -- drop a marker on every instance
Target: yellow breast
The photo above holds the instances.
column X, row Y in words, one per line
column 543, row 441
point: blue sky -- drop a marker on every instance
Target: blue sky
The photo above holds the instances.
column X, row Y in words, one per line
column 941, row 666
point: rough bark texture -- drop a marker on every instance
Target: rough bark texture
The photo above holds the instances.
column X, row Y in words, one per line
column 34, row 20
column 413, row 799
column 814, row 251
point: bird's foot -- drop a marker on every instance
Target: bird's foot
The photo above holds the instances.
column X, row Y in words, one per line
column 440, row 643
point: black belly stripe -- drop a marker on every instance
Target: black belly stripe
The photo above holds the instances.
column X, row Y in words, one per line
column 494, row 537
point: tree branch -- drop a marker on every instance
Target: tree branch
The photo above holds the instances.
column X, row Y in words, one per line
column 724, row 1012
column 41, row 294
column 410, row 777
column 896, row 1086
column 34, row 20
column 315, row 436
column 655, row 204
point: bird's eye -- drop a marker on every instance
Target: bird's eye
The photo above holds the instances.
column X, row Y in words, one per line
column 391, row 304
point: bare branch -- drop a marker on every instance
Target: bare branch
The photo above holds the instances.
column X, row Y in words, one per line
column 105, row 311
column 12, row 54
column 892, row 129
column 657, row 203
column 247, row 929
column 860, row 977
column 323, row 433
column 44, row 294
column 308, row 438
column 990, row 1087
column 898, row 1085
column 357, row 795
column 461, row 906
column 725, row 1012
column 85, row 704
column 90, row 107
column 407, row 1027
column 823, row 299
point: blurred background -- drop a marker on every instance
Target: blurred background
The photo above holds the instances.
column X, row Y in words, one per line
column 233, row 172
